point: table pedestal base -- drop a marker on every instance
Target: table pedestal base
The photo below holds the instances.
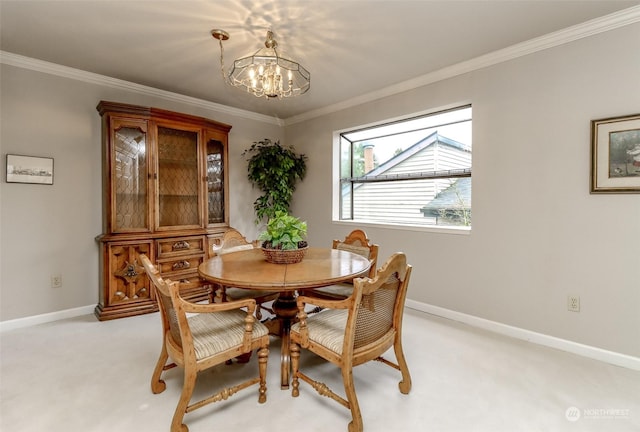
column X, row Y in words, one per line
column 286, row 310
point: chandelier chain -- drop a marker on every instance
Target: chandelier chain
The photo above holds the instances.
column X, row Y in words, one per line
column 224, row 76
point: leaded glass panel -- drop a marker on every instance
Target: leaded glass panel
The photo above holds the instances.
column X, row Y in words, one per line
column 177, row 177
column 215, row 182
column 130, row 179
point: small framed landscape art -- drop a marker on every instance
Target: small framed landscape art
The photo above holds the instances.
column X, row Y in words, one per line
column 615, row 155
column 29, row 169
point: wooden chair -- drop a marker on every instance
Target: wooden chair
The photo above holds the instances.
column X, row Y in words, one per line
column 354, row 331
column 210, row 335
column 356, row 242
column 233, row 241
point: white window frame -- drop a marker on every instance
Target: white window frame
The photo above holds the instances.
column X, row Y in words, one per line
column 336, row 181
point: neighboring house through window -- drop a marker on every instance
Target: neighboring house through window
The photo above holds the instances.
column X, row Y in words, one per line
column 411, row 172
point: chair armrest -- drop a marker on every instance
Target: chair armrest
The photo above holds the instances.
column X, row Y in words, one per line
column 324, row 303
column 190, row 307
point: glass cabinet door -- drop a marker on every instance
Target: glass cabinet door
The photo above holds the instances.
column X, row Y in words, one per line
column 215, row 182
column 178, row 203
column 130, row 205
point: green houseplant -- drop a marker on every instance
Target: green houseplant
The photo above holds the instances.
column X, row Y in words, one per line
column 275, row 170
column 284, row 232
column 283, row 239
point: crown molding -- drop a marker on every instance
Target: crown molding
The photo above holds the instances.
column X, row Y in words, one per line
column 589, row 28
column 20, row 61
column 560, row 37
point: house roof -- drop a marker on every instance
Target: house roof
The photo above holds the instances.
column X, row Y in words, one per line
column 429, row 140
column 455, row 197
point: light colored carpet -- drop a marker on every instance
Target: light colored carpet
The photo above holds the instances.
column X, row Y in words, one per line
column 81, row 375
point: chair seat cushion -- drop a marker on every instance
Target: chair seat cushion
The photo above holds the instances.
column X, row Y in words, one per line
column 340, row 290
column 242, row 294
column 326, row 328
column 216, row 332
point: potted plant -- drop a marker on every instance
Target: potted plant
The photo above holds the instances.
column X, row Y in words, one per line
column 283, row 240
column 275, row 170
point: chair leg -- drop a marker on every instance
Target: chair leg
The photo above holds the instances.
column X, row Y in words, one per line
column 263, row 357
column 157, row 384
column 405, row 384
column 347, row 377
column 294, row 348
column 185, row 397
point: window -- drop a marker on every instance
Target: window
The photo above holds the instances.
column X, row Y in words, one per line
column 411, row 172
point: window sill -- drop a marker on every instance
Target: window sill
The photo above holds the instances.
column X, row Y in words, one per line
column 416, row 228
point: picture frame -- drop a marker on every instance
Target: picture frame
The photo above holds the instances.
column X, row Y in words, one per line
column 29, row 169
column 615, row 155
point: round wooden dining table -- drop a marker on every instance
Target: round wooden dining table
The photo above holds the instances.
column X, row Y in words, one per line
column 248, row 269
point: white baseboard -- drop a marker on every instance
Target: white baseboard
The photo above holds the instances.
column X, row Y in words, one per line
column 611, row 357
column 45, row 318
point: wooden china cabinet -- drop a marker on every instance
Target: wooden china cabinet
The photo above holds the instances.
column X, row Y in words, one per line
column 165, row 183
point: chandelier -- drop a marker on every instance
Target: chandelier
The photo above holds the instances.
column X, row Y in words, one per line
column 266, row 73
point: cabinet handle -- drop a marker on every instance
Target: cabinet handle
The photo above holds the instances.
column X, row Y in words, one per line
column 181, row 265
column 181, row 245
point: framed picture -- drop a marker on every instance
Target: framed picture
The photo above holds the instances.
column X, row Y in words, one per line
column 29, row 169
column 615, row 155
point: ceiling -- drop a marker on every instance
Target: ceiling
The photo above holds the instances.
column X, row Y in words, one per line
column 351, row 47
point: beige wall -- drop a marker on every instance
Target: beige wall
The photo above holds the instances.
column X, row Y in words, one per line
column 538, row 235
column 46, row 230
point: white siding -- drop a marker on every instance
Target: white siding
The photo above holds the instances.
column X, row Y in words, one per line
column 401, row 201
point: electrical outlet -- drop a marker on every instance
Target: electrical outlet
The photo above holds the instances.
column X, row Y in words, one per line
column 573, row 303
column 56, row 281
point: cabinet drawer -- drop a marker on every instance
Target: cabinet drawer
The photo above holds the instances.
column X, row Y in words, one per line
column 177, row 246
column 178, row 266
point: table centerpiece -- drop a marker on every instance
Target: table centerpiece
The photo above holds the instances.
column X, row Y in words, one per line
column 283, row 240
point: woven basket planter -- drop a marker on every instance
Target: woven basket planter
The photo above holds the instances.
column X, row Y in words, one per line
column 279, row 256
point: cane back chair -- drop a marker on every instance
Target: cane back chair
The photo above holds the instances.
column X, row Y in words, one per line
column 357, row 242
column 210, row 335
column 354, row 331
column 233, row 241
